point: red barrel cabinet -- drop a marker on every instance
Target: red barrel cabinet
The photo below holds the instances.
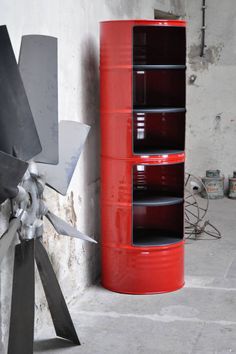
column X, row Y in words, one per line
column 142, row 67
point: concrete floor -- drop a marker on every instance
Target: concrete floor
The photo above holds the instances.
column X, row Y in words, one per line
column 200, row 318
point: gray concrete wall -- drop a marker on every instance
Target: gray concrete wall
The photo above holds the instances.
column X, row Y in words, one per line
column 210, row 120
column 211, row 105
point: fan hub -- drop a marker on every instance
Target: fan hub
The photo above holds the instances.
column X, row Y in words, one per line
column 30, row 203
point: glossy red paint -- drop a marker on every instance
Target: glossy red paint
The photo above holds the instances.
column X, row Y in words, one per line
column 127, row 268
column 145, row 270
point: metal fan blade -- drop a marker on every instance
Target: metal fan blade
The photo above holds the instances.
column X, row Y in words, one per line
column 21, row 334
column 11, row 172
column 72, row 136
column 8, row 237
column 60, row 314
column 63, row 228
column 18, row 135
column 38, row 68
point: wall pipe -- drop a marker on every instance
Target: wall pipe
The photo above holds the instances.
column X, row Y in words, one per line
column 203, row 27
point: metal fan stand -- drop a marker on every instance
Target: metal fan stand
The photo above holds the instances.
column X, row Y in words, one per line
column 30, row 133
column 29, row 250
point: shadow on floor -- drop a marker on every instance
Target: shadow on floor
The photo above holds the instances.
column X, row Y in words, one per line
column 51, row 344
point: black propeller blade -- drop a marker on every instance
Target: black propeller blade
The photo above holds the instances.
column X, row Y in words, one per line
column 38, row 68
column 60, row 315
column 18, row 135
column 21, row 336
column 11, row 172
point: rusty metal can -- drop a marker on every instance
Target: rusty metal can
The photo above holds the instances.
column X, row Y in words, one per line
column 214, row 184
column 232, row 186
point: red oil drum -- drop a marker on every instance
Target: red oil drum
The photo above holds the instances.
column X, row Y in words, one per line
column 142, row 68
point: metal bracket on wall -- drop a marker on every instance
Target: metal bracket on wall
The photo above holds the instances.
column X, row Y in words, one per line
column 203, row 29
column 158, row 14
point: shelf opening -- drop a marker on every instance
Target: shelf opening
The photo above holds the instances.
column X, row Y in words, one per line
column 159, row 45
column 155, row 133
column 157, row 225
column 158, row 184
column 158, row 88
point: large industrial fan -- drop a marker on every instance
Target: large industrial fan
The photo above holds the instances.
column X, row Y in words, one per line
column 29, row 159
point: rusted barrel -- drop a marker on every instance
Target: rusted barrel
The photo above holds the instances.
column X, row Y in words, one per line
column 232, row 186
column 214, row 183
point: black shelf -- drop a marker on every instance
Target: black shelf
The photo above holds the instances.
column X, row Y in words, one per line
column 141, row 198
column 158, row 110
column 152, row 237
column 153, row 152
column 145, row 67
column 158, row 129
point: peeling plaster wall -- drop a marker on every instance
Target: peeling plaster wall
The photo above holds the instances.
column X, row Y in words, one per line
column 211, row 114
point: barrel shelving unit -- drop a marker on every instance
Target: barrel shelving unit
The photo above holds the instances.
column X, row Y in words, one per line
column 142, row 66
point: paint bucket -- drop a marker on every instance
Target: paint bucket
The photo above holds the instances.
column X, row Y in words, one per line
column 232, row 186
column 214, row 184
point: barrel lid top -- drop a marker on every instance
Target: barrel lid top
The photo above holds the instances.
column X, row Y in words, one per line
column 150, row 22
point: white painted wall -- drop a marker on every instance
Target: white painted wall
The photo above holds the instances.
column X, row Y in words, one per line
column 210, row 141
